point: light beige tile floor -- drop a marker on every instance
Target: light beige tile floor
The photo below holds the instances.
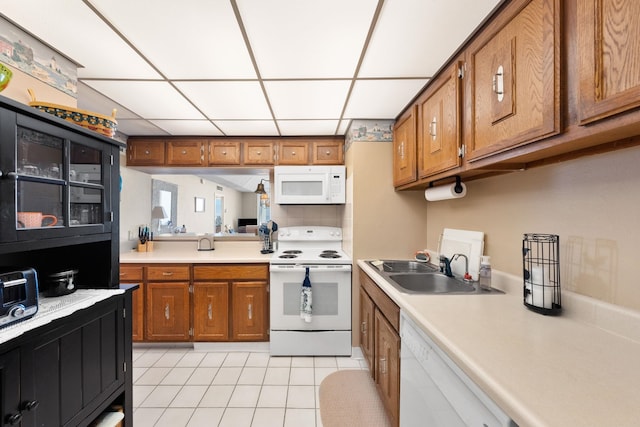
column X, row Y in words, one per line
column 184, row 387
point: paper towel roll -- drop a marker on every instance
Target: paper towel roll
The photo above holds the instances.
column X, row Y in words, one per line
column 444, row 192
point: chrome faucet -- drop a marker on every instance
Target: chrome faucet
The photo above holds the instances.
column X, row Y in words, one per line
column 445, row 266
column 467, row 276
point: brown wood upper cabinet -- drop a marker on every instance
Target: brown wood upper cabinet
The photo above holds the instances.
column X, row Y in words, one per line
column 514, row 77
column 328, row 152
column 223, row 152
column 404, row 148
column 439, row 137
column 187, row 152
column 145, row 152
column 260, row 152
column 294, row 152
column 608, row 51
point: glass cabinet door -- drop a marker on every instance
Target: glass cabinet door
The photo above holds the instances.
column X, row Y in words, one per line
column 40, row 183
column 60, row 184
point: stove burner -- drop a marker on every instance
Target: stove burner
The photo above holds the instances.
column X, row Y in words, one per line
column 288, row 256
column 329, row 251
column 292, row 251
column 329, row 255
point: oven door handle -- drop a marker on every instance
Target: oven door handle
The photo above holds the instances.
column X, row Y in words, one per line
column 328, row 268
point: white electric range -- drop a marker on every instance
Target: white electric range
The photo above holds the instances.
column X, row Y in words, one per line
column 318, row 250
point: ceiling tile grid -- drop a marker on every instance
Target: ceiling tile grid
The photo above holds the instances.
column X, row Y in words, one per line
column 250, row 67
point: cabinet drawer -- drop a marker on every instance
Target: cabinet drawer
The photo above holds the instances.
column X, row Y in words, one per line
column 145, row 153
column 292, row 153
column 231, row 272
column 328, row 153
column 168, row 272
column 258, row 153
column 130, row 272
column 224, row 153
column 186, row 152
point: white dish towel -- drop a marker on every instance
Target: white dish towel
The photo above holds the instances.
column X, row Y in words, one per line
column 305, row 298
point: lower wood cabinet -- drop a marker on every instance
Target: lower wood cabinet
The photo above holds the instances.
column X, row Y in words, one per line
column 199, row 302
column 380, row 343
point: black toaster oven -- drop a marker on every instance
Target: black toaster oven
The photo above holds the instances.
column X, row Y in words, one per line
column 18, row 296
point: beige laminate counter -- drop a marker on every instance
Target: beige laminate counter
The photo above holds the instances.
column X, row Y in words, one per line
column 541, row 370
column 185, row 252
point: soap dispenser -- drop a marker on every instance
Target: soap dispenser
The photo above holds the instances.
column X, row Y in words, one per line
column 484, row 275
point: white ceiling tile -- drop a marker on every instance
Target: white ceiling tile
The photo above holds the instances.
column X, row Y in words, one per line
column 415, row 38
column 307, row 127
column 90, row 99
column 149, row 100
column 307, row 99
column 380, row 99
column 307, row 38
column 247, row 127
column 187, row 127
column 133, row 127
column 227, row 100
column 74, row 30
column 344, row 127
column 196, row 40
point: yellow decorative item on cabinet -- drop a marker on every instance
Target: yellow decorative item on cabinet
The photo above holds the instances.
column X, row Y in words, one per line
column 105, row 125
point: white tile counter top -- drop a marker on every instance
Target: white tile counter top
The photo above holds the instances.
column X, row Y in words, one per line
column 50, row 309
column 186, row 252
column 567, row 370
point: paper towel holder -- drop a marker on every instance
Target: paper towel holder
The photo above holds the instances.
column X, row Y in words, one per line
column 457, row 188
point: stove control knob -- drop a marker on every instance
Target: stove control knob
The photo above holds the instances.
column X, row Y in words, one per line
column 17, row 311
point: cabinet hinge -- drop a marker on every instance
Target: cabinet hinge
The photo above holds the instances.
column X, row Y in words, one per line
column 124, row 313
column 461, row 151
column 111, row 159
column 124, row 366
column 110, row 216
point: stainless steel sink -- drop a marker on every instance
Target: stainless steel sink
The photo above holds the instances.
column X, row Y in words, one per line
column 414, row 277
column 407, row 266
column 434, row 283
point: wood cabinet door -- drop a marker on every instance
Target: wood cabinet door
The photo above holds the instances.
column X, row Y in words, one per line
column 211, row 311
column 439, row 126
column 186, row 152
column 608, row 51
column 387, row 378
column 249, row 311
column 404, row 149
column 167, row 309
column 224, row 152
column 515, row 81
column 367, row 329
column 145, row 152
column 328, row 152
column 259, row 153
column 293, row 153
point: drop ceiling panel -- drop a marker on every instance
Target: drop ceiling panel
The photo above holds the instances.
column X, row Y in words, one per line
column 307, row 127
column 307, row 39
column 187, row 127
column 247, row 127
column 374, row 99
column 227, row 100
column 74, row 30
column 139, row 127
column 149, row 100
column 323, row 99
column 92, row 100
column 344, row 126
column 415, row 38
column 183, row 44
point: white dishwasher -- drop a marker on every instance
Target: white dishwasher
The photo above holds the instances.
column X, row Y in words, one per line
column 434, row 392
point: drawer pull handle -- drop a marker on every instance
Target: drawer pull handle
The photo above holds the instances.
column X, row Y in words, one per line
column 184, row 152
column 433, row 128
column 147, row 152
column 498, row 83
column 30, row 406
column 210, row 311
column 259, row 153
column 327, row 152
column 250, row 311
column 293, row 153
column 14, row 419
column 167, row 273
column 224, row 153
column 167, row 312
column 383, row 365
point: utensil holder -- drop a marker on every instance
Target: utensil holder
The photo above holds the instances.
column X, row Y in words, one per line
column 541, row 273
column 142, row 247
column 149, row 246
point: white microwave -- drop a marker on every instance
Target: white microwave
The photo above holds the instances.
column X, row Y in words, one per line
column 310, row 185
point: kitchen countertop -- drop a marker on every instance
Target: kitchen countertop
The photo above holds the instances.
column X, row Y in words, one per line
column 541, row 370
column 185, row 252
column 52, row 308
